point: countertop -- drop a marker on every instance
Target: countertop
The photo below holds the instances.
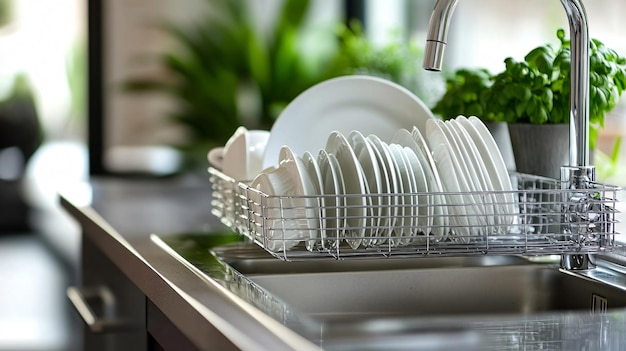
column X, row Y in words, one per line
column 120, row 221
column 129, row 220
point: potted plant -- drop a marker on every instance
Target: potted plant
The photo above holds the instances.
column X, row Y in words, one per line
column 532, row 97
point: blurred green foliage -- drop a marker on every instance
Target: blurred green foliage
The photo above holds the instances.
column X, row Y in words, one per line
column 224, row 61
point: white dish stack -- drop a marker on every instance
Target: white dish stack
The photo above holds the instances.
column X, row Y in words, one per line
column 364, row 192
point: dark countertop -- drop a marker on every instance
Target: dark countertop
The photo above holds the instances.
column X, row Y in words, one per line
column 205, row 302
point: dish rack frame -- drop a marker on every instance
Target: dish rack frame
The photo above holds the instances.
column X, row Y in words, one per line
column 548, row 218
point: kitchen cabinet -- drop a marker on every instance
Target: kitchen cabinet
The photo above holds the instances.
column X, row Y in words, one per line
column 124, row 291
column 127, row 318
column 119, row 306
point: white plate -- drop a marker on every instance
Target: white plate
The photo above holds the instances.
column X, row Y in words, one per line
column 388, row 196
column 313, row 169
column 368, row 104
column 400, row 222
column 468, row 178
column 477, row 165
column 440, row 215
column 447, row 164
column 408, row 213
column 424, row 178
column 424, row 210
column 494, row 162
column 477, row 218
column 334, row 218
column 354, row 182
column 373, row 181
column 342, row 203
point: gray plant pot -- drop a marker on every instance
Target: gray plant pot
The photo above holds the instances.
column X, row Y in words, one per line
column 540, row 149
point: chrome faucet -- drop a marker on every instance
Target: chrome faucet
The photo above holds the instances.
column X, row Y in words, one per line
column 579, row 172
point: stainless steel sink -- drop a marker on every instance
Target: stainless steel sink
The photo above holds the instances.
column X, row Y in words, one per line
column 360, row 289
column 443, row 303
column 494, row 290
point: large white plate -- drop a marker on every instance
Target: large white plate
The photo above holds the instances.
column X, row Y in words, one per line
column 368, row 104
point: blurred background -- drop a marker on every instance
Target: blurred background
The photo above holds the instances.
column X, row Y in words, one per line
column 144, row 88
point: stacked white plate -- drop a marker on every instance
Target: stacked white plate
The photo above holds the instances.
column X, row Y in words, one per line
column 448, row 183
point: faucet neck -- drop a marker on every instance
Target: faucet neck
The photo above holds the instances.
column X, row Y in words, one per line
column 579, row 72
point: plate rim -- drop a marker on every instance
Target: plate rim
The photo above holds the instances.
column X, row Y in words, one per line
column 353, row 87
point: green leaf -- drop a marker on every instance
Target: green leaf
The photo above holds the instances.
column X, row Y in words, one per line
column 548, row 98
column 520, row 108
column 541, row 59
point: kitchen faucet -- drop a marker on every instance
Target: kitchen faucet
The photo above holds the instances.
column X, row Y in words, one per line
column 578, row 174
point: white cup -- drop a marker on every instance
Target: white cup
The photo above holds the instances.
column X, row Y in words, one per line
column 242, row 156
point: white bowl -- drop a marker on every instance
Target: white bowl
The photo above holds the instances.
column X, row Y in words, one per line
column 242, row 156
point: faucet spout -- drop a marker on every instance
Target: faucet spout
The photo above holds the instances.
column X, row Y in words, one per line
column 437, row 37
column 436, row 41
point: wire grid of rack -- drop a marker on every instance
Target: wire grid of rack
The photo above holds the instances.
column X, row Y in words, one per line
column 537, row 218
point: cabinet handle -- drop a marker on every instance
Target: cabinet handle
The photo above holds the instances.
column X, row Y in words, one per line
column 105, row 324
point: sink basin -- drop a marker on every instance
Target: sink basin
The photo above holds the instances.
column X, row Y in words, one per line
column 252, row 267
column 425, row 303
column 492, row 290
column 251, row 260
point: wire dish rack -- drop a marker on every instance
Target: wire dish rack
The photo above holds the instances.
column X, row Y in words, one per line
column 538, row 218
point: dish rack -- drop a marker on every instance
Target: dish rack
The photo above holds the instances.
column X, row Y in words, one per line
column 544, row 220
